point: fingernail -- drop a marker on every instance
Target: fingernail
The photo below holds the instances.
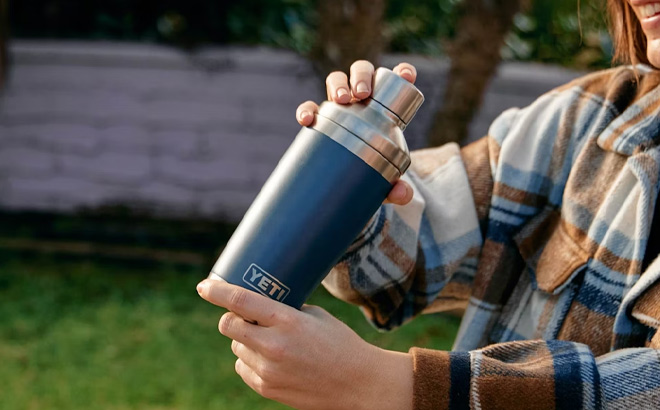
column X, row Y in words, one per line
column 341, row 92
column 362, row 87
column 201, row 287
column 304, row 115
column 407, row 71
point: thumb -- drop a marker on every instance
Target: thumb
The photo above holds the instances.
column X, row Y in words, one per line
column 400, row 194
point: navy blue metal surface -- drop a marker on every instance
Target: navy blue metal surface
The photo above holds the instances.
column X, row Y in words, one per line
column 312, row 207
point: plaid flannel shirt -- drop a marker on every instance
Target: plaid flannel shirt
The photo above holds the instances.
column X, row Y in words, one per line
column 538, row 230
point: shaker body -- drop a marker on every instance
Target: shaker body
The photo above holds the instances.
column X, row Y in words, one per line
column 315, row 203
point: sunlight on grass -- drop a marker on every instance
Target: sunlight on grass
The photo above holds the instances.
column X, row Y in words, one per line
column 81, row 334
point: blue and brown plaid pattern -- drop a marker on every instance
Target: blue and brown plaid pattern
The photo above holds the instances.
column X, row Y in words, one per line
column 538, row 231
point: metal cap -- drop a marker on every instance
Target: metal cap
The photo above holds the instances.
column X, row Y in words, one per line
column 396, row 94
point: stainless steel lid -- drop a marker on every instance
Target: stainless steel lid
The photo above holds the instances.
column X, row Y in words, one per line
column 377, row 122
column 396, row 94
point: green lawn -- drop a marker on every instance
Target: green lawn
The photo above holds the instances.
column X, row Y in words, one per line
column 87, row 333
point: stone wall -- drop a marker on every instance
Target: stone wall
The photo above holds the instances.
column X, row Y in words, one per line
column 85, row 124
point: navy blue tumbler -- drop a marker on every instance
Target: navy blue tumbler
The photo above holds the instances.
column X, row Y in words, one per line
column 323, row 192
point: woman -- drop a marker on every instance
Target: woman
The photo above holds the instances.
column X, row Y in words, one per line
column 542, row 230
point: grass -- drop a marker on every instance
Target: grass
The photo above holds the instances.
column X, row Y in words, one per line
column 92, row 333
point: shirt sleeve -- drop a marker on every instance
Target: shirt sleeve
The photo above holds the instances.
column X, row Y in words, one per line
column 423, row 257
column 539, row 374
column 536, row 375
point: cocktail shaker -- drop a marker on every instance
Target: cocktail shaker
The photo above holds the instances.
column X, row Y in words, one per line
column 322, row 193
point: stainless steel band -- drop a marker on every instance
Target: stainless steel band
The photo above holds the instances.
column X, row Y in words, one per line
column 362, row 120
column 372, row 129
column 358, row 147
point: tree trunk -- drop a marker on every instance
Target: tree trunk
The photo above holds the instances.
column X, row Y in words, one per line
column 4, row 38
column 348, row 30
column 475, row 55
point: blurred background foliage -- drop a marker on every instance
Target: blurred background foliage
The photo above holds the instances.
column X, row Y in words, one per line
column 549, row 31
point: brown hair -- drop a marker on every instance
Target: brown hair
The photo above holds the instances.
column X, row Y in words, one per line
column 627, row 35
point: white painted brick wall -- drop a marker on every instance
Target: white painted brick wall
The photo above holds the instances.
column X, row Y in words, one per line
column 26, row 161
column 87, row 124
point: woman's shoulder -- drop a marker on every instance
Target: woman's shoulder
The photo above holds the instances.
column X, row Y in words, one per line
column 617, row 86
column 588, row 103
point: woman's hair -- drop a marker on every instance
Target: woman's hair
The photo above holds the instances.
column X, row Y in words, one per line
column 629, row 39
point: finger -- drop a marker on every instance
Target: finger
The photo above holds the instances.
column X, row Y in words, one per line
column 254, row 360
column 400, row 194
column 337, row 86
column 305, row 113
column 247, row 355
column 237, row 348
column 407, row 71
column 235, row 327
column 246, row 303
column 362, row 73
column 251, row 378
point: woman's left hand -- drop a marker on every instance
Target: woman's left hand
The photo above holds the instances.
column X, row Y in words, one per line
column 307, row 359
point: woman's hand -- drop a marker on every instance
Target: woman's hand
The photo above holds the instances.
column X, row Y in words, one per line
column 343, row 91
column 307, row 359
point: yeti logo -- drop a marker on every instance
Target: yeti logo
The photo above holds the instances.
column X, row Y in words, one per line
column 265, row 283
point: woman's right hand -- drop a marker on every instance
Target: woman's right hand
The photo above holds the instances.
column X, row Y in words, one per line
column 343, row 90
